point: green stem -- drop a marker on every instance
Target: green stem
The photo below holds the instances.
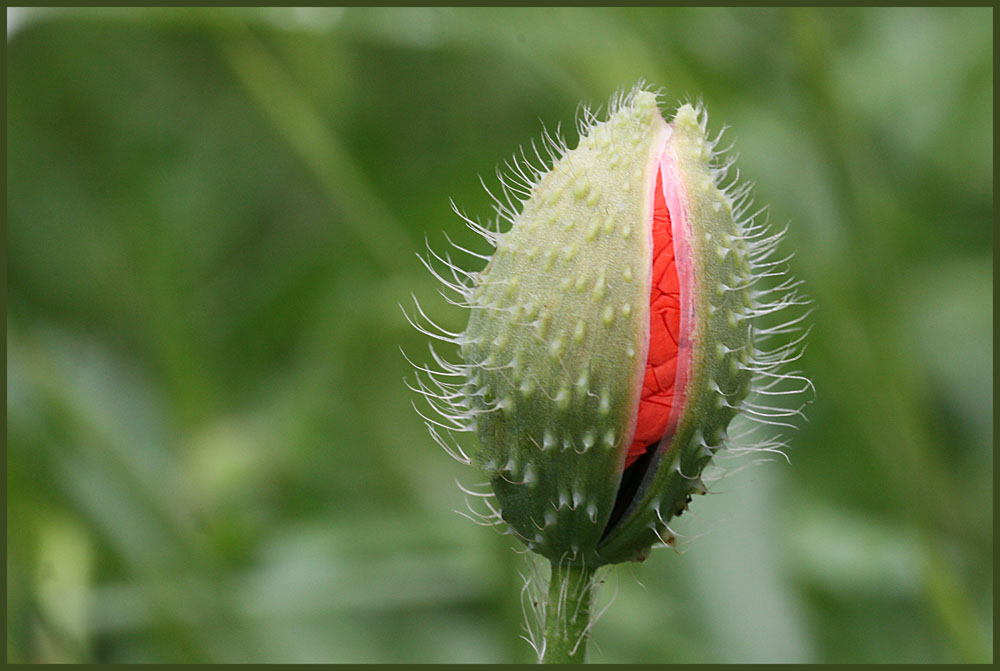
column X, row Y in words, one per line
column 567, row 614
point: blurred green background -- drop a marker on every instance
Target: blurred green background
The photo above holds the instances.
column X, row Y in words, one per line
column 212, row 216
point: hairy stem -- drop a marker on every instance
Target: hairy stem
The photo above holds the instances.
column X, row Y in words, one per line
column 567, row 614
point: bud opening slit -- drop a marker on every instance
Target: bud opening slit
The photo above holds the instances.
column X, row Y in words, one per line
column 668, row 358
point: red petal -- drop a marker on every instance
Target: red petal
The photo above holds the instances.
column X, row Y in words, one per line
column 658, row 396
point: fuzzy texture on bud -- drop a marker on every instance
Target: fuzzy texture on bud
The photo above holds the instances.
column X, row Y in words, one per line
column 611, row 335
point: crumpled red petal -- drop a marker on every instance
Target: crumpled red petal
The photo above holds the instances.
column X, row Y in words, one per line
column 658, row 394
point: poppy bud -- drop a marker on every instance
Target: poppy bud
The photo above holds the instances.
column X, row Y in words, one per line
column 611, row 335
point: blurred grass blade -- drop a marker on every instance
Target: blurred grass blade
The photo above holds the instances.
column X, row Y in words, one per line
column 303, row 129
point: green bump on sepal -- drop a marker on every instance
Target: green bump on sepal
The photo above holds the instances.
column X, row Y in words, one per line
column 722, row 338
column 574, row 334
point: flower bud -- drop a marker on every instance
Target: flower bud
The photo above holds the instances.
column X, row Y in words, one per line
column 610, row 338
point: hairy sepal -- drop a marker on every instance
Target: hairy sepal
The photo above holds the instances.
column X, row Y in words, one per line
column 717, row 282
column 557, row 339
column 552, row 359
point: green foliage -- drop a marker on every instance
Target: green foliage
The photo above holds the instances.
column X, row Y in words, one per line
column 211, row 219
